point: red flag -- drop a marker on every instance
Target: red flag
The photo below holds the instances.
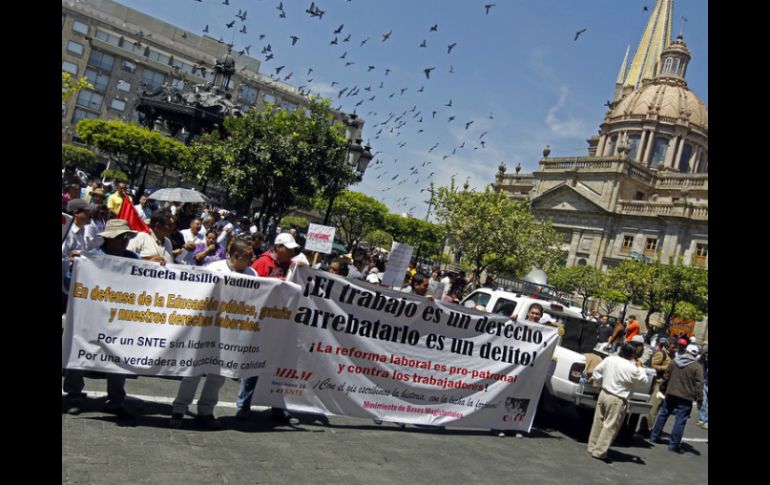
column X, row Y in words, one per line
column 128, row 213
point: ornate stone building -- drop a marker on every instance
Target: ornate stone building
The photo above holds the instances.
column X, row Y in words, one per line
column 642, row 191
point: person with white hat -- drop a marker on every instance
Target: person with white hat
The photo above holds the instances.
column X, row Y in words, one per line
column 115, row 238
column 684, row 385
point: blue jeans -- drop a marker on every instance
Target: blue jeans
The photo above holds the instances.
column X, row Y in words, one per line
column 681, row 409
column 246, row 392
column 703, row 416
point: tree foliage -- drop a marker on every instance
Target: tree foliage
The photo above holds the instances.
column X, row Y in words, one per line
column 586, row 281
column 69, row 86
column 379, row 239
column 134, row 147
column 297, row 222
column 355, row 214
column 283, row 157
column 82, row 158
column 424, row 236
column 208, row 154
column 493, row 231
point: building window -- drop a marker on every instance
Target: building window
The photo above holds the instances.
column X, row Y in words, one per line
column 157, row 56
column 684, row 160
column 101, row 60
column 585, row 244
column 152, row 78
column 69, row 67
column 650, row 247
column 659, row 151
column 701, row 253
column 81, row 114
column 188, row 68
column 108, row 38
column 75, row 48
column 582, row 262
column 247, row 94
column 80, row 27
column 89, row 99
column 97, row 80
column 128, row 66
column 117, row 104
column 633, row 141
column 268, row 98
column 628, row 244
column 610, row 151
column 639, row 195
column 124, row 86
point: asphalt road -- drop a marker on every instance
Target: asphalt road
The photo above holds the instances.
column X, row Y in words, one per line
column 99, row 448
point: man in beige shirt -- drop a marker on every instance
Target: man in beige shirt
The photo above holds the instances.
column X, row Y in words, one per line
column 155, row 246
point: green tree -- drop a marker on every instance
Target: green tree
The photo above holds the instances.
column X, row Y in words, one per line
column 298, row 222
column 683, row 285
column 134, row 147
column 379, row 239
column 208, row 154
column 586, row 281
column 354, row 214
column 83, row 158
column 69, row 86
column 610, row 299
column 283, row 157
column 424, row 236
column 493, row 231
column 629, row 279
column 116, row 175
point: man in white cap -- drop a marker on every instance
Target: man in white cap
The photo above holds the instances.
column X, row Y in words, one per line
column 115, row 238
column 684, row 385
column 275, row 262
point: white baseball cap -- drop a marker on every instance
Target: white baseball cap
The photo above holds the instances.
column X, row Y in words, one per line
column 692, row 349
column 286, row 239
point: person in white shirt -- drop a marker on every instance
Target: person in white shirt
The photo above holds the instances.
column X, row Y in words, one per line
column 98, row 221
column 192, row 237
column 143, row 209
column 74, row 242
column 155, row 246
column 617, row 375
column 238, row 261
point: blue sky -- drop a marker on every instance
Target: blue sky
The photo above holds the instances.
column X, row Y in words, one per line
column 518, row 75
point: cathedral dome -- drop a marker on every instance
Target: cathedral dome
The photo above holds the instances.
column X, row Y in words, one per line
column 664, row 99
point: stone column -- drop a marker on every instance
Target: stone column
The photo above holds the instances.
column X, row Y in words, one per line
column 672, row 148
column 648, row 148
column 573, row 246
column 643, row 146
column 600, row 147
column 675, row 163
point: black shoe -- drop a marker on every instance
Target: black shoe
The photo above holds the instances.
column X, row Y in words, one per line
column 73, row 409
column 209, row 421
column 176, row 420
column 243, row 414
column 602, row 458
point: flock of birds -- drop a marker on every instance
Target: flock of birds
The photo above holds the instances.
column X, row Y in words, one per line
column 350, row 98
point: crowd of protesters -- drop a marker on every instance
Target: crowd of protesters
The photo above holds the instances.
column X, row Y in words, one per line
column 223, row 240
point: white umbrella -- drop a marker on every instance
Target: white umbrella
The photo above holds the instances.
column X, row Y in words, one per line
column 179, row 194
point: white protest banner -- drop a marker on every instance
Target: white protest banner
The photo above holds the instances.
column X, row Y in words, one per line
column 398, row 264
column 320, row 238
column 136, row 317
column 366, row 351
column 66, row 222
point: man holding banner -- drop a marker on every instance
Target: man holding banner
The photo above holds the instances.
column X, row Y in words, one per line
column 238, row 261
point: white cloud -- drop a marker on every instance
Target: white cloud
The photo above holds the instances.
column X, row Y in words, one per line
column 570, row 128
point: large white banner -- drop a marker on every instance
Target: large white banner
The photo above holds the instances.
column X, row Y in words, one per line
column 320, row 238
column 137, row 317
column 363, row 350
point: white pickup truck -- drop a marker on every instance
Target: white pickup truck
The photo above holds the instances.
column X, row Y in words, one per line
column 569, row 359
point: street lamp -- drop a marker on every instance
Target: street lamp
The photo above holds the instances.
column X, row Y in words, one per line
column 357, row 158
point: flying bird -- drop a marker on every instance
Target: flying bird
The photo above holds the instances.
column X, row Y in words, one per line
column 386, row 35
column 334, row 42
column 294, row 39
column 451, row 69
column 206, row 29
column 468, row 124
column 349, row 63
column 278, row 69
column 247, row 49
column 424, row 43
column 370, row 69
column 243, row 30
column 421, row 89
column 450, row 119
column 268, row 57
column 387, row 71
column 344, row 54
column 645, row 9
column 230, row 25
column 434, row 114
column 449, row 105
column 427, row 71
column 288, row 76
column 364, row 41
column 242, row 16
column 577, row 34
column 488, row 6
column 434, row 28
column 450, row 47
column 433, row 147
column 347, row 39
column 339, row 29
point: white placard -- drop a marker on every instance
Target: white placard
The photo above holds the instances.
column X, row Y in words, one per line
column 398, row 264
column 320, row 238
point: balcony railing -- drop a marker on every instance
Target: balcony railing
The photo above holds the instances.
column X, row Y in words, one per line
column 654, row 209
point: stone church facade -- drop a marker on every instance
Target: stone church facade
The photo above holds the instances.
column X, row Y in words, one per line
column 642, row 191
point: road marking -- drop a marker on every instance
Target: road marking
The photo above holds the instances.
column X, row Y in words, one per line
column 696, row 440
